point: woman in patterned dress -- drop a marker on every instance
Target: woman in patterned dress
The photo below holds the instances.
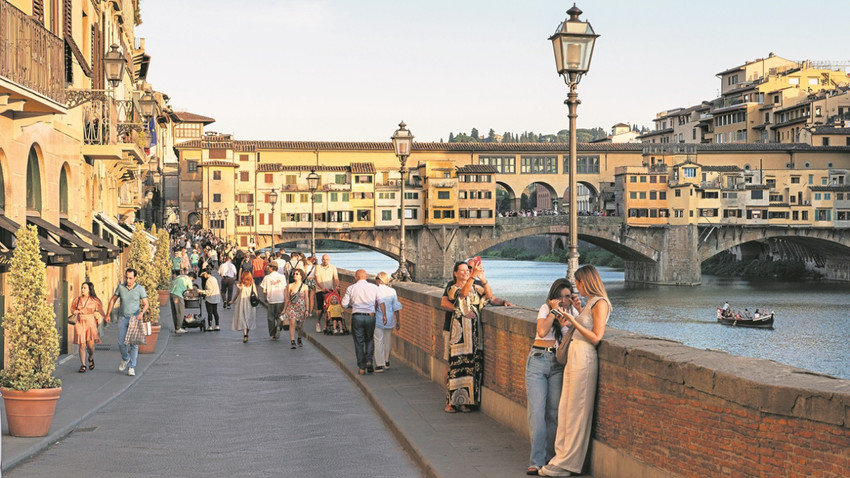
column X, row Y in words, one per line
column 297, row 306
column 86, row 307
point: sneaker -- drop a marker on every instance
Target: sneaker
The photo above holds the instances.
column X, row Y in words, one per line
column 180, row 331
column 131, row 372
column 369, row 368
column 276, row 333
column 299, row 341
column 318, row 329
column 379, row 369
column 123, row 365
column 387, row 365
column 549, row 470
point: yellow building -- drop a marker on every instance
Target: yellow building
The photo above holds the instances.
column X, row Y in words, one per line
column 476, row 195
column 440, row 188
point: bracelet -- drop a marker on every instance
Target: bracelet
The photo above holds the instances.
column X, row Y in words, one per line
column 484, row 283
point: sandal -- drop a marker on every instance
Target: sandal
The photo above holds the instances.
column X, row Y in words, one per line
column 532, row 470
column 91, row 363
column 244, row 339
column 82, row 369
column 449, row 409
column 465, row 409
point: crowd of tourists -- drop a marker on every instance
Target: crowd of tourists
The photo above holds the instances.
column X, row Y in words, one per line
column 550, row 212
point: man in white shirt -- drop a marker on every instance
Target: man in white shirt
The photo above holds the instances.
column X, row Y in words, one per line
column 227, row 272
column 327, row 280
column 362, row 296
column 274, row 287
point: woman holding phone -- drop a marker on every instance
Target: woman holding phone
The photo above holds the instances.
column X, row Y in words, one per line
column 544, row 376
column 575, row 409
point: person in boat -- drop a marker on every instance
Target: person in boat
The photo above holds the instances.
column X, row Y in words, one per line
column 726, row 307
column 747, row 315
column 738, row 315
column 756, row 315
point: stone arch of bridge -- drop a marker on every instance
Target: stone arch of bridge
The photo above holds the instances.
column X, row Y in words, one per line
column 512, row 201
column 592, row 201
column 553, row 191
column 815, row 243
column 288, row 244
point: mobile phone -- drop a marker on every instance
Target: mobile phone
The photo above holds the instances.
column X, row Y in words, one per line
column 476, row 260
column 557, row 313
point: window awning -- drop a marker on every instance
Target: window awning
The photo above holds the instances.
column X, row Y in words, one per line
column 132, row 229
column 52, row 254
column 113, row 228
column 108, row 250
column 82, row 250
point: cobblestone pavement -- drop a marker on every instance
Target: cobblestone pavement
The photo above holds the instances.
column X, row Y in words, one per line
column 212, row 406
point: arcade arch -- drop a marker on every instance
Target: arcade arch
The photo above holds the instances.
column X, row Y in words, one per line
column 34, row 196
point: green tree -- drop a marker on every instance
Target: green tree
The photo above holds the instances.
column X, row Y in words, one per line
column 30, row 323
column 474, row 134
column 451, row 138
column 491, row 136
column 161, row 258
column 141, row 260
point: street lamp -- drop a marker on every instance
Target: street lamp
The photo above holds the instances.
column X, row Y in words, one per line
column 113, row 64
column 313, row 184
column 273, row 201
column 218, row 222
column 236, row 224
column 207, row 214
column 226, row 213
column 573, row 43
column 147, row 105
column 252, row 226
column 402, row 144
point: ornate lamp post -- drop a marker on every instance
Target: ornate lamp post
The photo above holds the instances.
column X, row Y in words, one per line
column 218, row 222
column 251, row 227
column 313, row 184
column 147, row 105
column 273, row 201
column 236, row 219
column 402, row 144
column 207, row 214
column 224, row 225
column 573, row 43
column 113, row 64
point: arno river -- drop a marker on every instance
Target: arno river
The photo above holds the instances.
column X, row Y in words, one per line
column 812, row 329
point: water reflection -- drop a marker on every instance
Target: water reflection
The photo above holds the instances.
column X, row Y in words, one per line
column 812, row 319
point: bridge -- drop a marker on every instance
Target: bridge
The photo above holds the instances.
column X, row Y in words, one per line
column 663, row 255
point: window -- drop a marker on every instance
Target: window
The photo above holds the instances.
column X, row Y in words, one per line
column 678, row 213
column 632, row 179
column 795, row 179
column 811, row 178
column 318, row 198
column 643, row 179
column 461, row 194
column 340, row 179
column 438, row 214
column 269, row 178
column 345, row 197
column 443, row 195
column 249, row 198
column 217, row 197
column 642, row 195
column 586, row 164
column 757, row 194
column 388, row 195
column 364, row 215
column 386, row 215
column 289, row 198
column 539, row 164
column 503, row 164
column 191, row 166
column 653, row 195
column 632, row 195
column 824, row 141
column 823, row 215
column 304, row 198
column 334, row 197
column 827, row 196
column 689, row 172
column 793, row 81
column 243, row 157
column 448, row 214
column 216, row 175
column 243, row 176
column 363, row 179
column 678, row 193
column 408, row 195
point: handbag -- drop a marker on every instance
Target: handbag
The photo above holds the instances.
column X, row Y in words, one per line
column 72, row 319
column 564, row 347
column 135, row 333
column 255, row 301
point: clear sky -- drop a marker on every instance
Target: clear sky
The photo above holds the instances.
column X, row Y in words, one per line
column 350, row 70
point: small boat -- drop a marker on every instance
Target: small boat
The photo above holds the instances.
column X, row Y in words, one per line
column 765, row 322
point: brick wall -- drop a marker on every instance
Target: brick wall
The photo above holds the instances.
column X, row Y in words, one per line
column 663, row 409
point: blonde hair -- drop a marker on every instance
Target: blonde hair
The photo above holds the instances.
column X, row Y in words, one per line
column 383, row 277
column 589, row 276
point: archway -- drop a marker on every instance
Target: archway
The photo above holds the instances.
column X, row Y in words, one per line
column 587, row 197
column 194, row 219
column 506, row 199
column 540, row 196
column 63, row 190
column 34, row 202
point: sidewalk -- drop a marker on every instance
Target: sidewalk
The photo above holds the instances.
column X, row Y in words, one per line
column 83, row 394
column 443, row 445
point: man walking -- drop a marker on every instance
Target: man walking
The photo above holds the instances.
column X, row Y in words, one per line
column 327, row 281
column 178, row 306
column 274, row 287
column 362, row 296
column 259, row 264
column 134, row 304
column 227, row 272
column 386, row 317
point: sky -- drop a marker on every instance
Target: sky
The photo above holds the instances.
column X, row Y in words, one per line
column 351, row 70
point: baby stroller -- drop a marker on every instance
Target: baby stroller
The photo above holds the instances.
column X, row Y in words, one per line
column 332, row 306
column 192, row 300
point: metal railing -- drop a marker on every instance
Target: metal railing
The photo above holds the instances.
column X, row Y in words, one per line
column 30, row 55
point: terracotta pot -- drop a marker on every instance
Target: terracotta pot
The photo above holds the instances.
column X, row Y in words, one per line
column 163, row 297
column 150, row 344
column 30, row 413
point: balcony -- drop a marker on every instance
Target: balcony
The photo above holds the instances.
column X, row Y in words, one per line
column 32, row 64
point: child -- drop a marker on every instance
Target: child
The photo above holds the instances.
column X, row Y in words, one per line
column 335, row 312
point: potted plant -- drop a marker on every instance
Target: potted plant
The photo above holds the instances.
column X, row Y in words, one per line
column 141, row 259
column 27, row 384
column 162, row 264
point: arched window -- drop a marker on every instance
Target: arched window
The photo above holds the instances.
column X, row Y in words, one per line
column 63, row 192
column 33, row 182
column 2, row 185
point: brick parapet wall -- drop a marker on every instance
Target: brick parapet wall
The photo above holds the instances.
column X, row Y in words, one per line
column 663, row 409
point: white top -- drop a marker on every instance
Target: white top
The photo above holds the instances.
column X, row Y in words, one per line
column 543, row 313
column 227, row 270
column 362, row 296
column 274, row 286
column 212, row 293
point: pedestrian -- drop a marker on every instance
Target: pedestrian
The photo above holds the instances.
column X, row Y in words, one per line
column 258, row 264
column 194, row 257
column 185, row 263
column 327, row 281
column 362, row 297
column 244, row 314
column 179, row 285
column 87, row 307
column 544, row 376
column 176, row 262
column 296, row 306
column 227, row 271
column 575, row 410
column 386, row 318
column 212, row 297
column 274, row 288
column 134, row 304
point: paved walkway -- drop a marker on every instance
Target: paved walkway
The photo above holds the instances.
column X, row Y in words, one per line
column 445, row 445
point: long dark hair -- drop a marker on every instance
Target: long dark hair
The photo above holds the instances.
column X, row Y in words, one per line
column 555, row 293
column 91, row 290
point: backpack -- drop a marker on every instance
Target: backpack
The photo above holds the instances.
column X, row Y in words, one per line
column 291, row 275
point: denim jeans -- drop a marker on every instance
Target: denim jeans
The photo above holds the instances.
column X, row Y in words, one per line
column 363, row 331
column 544, row 378
column 128, row 352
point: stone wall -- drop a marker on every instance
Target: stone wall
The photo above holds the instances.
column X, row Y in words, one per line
column 663, row 409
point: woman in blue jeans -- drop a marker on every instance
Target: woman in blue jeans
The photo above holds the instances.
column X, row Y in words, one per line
column 544, row 376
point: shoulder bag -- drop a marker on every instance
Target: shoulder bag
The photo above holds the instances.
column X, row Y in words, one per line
column 255, row 301
column 564, row 347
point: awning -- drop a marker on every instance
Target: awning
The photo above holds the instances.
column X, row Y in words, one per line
column 132, row 229
column 113, row 228
column 82, row 250
column 51, row 253
column 108, row 250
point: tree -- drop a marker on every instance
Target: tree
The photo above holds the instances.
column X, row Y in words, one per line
column 141, row 260
column 451, row 138
column 161, row 258
column 474, row 134
column 491, row 136
column 30, row 323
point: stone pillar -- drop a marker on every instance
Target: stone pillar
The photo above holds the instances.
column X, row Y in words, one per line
column 678, row 261
column 435, row 251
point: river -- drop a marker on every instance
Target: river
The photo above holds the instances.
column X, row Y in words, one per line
column 812, row 328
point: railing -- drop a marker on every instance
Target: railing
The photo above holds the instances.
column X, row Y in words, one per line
column 108, row 121
column 30, row 55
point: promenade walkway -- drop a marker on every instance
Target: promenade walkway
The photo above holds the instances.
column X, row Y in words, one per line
column 444, row 445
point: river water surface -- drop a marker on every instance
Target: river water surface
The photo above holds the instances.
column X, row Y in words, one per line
column 812, row 328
